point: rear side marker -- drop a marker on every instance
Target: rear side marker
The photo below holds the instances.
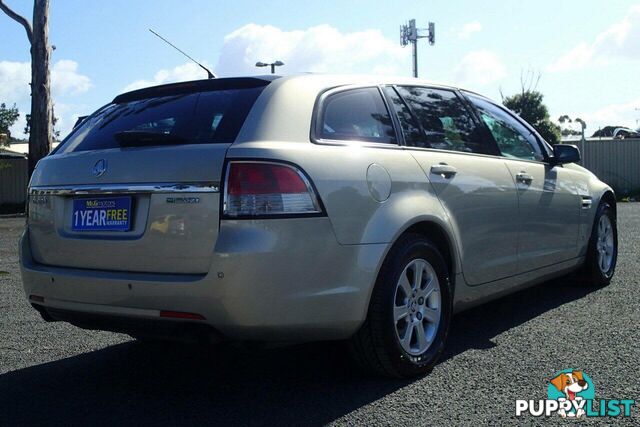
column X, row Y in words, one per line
column 163, row 313
column 36, row 298
column 181, row 315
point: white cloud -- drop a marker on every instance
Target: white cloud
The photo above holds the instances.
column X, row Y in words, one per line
column 65, row 79
column 479, row 68
column 184, row 72
column 65, row 82
column 321, row 49
column 469, row 28
column 620, row 41
column 620, row 114
column 14, row 81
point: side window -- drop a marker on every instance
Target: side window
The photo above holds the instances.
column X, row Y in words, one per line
column 445, row 122
column 513, row 138
column 410, row 129
column 356, row 115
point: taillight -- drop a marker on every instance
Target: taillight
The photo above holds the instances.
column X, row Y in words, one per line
column 258, row 189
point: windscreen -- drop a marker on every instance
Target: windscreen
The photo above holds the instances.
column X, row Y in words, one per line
column 190, row 118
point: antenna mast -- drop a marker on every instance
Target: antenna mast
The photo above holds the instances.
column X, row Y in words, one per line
column 409, row 34
column 209, row 73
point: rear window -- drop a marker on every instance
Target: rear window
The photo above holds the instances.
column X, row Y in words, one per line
column 210, row 117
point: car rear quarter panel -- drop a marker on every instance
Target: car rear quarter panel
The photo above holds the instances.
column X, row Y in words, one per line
column 339, row 174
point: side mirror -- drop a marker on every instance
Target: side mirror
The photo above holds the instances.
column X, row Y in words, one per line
column 565, row 153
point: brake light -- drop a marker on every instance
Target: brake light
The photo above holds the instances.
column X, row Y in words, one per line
column 255, row 189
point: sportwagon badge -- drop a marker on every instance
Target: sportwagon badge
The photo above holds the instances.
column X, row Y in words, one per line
column 100, row 167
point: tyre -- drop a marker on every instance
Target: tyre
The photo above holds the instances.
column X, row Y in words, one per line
column 409, row 313
column 602, row 253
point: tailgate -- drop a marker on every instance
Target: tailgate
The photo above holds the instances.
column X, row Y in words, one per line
column 135, row 187
column 164, row 201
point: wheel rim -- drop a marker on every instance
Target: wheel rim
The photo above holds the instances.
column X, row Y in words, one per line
column 605, row 244
column 417, row 307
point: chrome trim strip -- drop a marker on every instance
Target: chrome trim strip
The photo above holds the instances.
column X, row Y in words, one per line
column 145, row 188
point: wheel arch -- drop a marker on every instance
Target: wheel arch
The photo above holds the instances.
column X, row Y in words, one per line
column 610, row 198
column 370, row 344
column 433, row 229
column 440, row 238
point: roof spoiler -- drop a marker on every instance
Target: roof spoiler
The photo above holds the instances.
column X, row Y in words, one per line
column 194, row 86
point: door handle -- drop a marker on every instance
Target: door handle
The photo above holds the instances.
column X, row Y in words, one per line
column 524, row 178
column 444, row 170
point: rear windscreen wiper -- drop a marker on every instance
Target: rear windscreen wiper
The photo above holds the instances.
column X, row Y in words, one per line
column 141, row 138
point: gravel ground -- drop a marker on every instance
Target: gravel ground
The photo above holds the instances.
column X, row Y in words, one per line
column 52, row 373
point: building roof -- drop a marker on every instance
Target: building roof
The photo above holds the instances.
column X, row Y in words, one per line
column 9, row 154
column 22, row 148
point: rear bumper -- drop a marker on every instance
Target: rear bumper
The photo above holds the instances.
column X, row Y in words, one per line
column 269, row 280
column 133, row 325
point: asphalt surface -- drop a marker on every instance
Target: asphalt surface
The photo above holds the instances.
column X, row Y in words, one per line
column 55, row 374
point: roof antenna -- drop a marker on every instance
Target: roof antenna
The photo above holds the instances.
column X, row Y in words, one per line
column 210, row 75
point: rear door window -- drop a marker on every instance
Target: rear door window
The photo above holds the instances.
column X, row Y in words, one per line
column 444, row 121
column 413, row 135
column 209, row 117
column 356, row 115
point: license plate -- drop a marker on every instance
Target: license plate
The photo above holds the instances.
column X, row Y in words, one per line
column 102, row 214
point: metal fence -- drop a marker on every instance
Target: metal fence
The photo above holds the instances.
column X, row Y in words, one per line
column 616, row 162
column 14, row 177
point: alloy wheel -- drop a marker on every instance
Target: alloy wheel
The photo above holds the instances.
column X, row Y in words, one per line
column 605, row 244
column 417, row 307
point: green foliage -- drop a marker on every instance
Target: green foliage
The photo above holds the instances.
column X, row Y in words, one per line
column 27, row 126
column 567, row 132
column 8, row 117
column 5, row 164
column 565, row 122
column 528, row 105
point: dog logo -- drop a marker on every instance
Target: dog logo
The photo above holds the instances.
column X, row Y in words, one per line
column 573, row 386
column 571, row 395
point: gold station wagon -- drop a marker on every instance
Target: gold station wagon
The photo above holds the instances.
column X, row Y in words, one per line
column 301, row 208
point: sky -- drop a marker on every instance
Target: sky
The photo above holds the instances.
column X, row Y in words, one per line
column 587, row 53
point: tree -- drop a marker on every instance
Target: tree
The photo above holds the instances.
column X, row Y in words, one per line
column 565, row 126
column 27, row 126
column 8, row 117
column 40, row 137
column 528, row 105
column 565, row 121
